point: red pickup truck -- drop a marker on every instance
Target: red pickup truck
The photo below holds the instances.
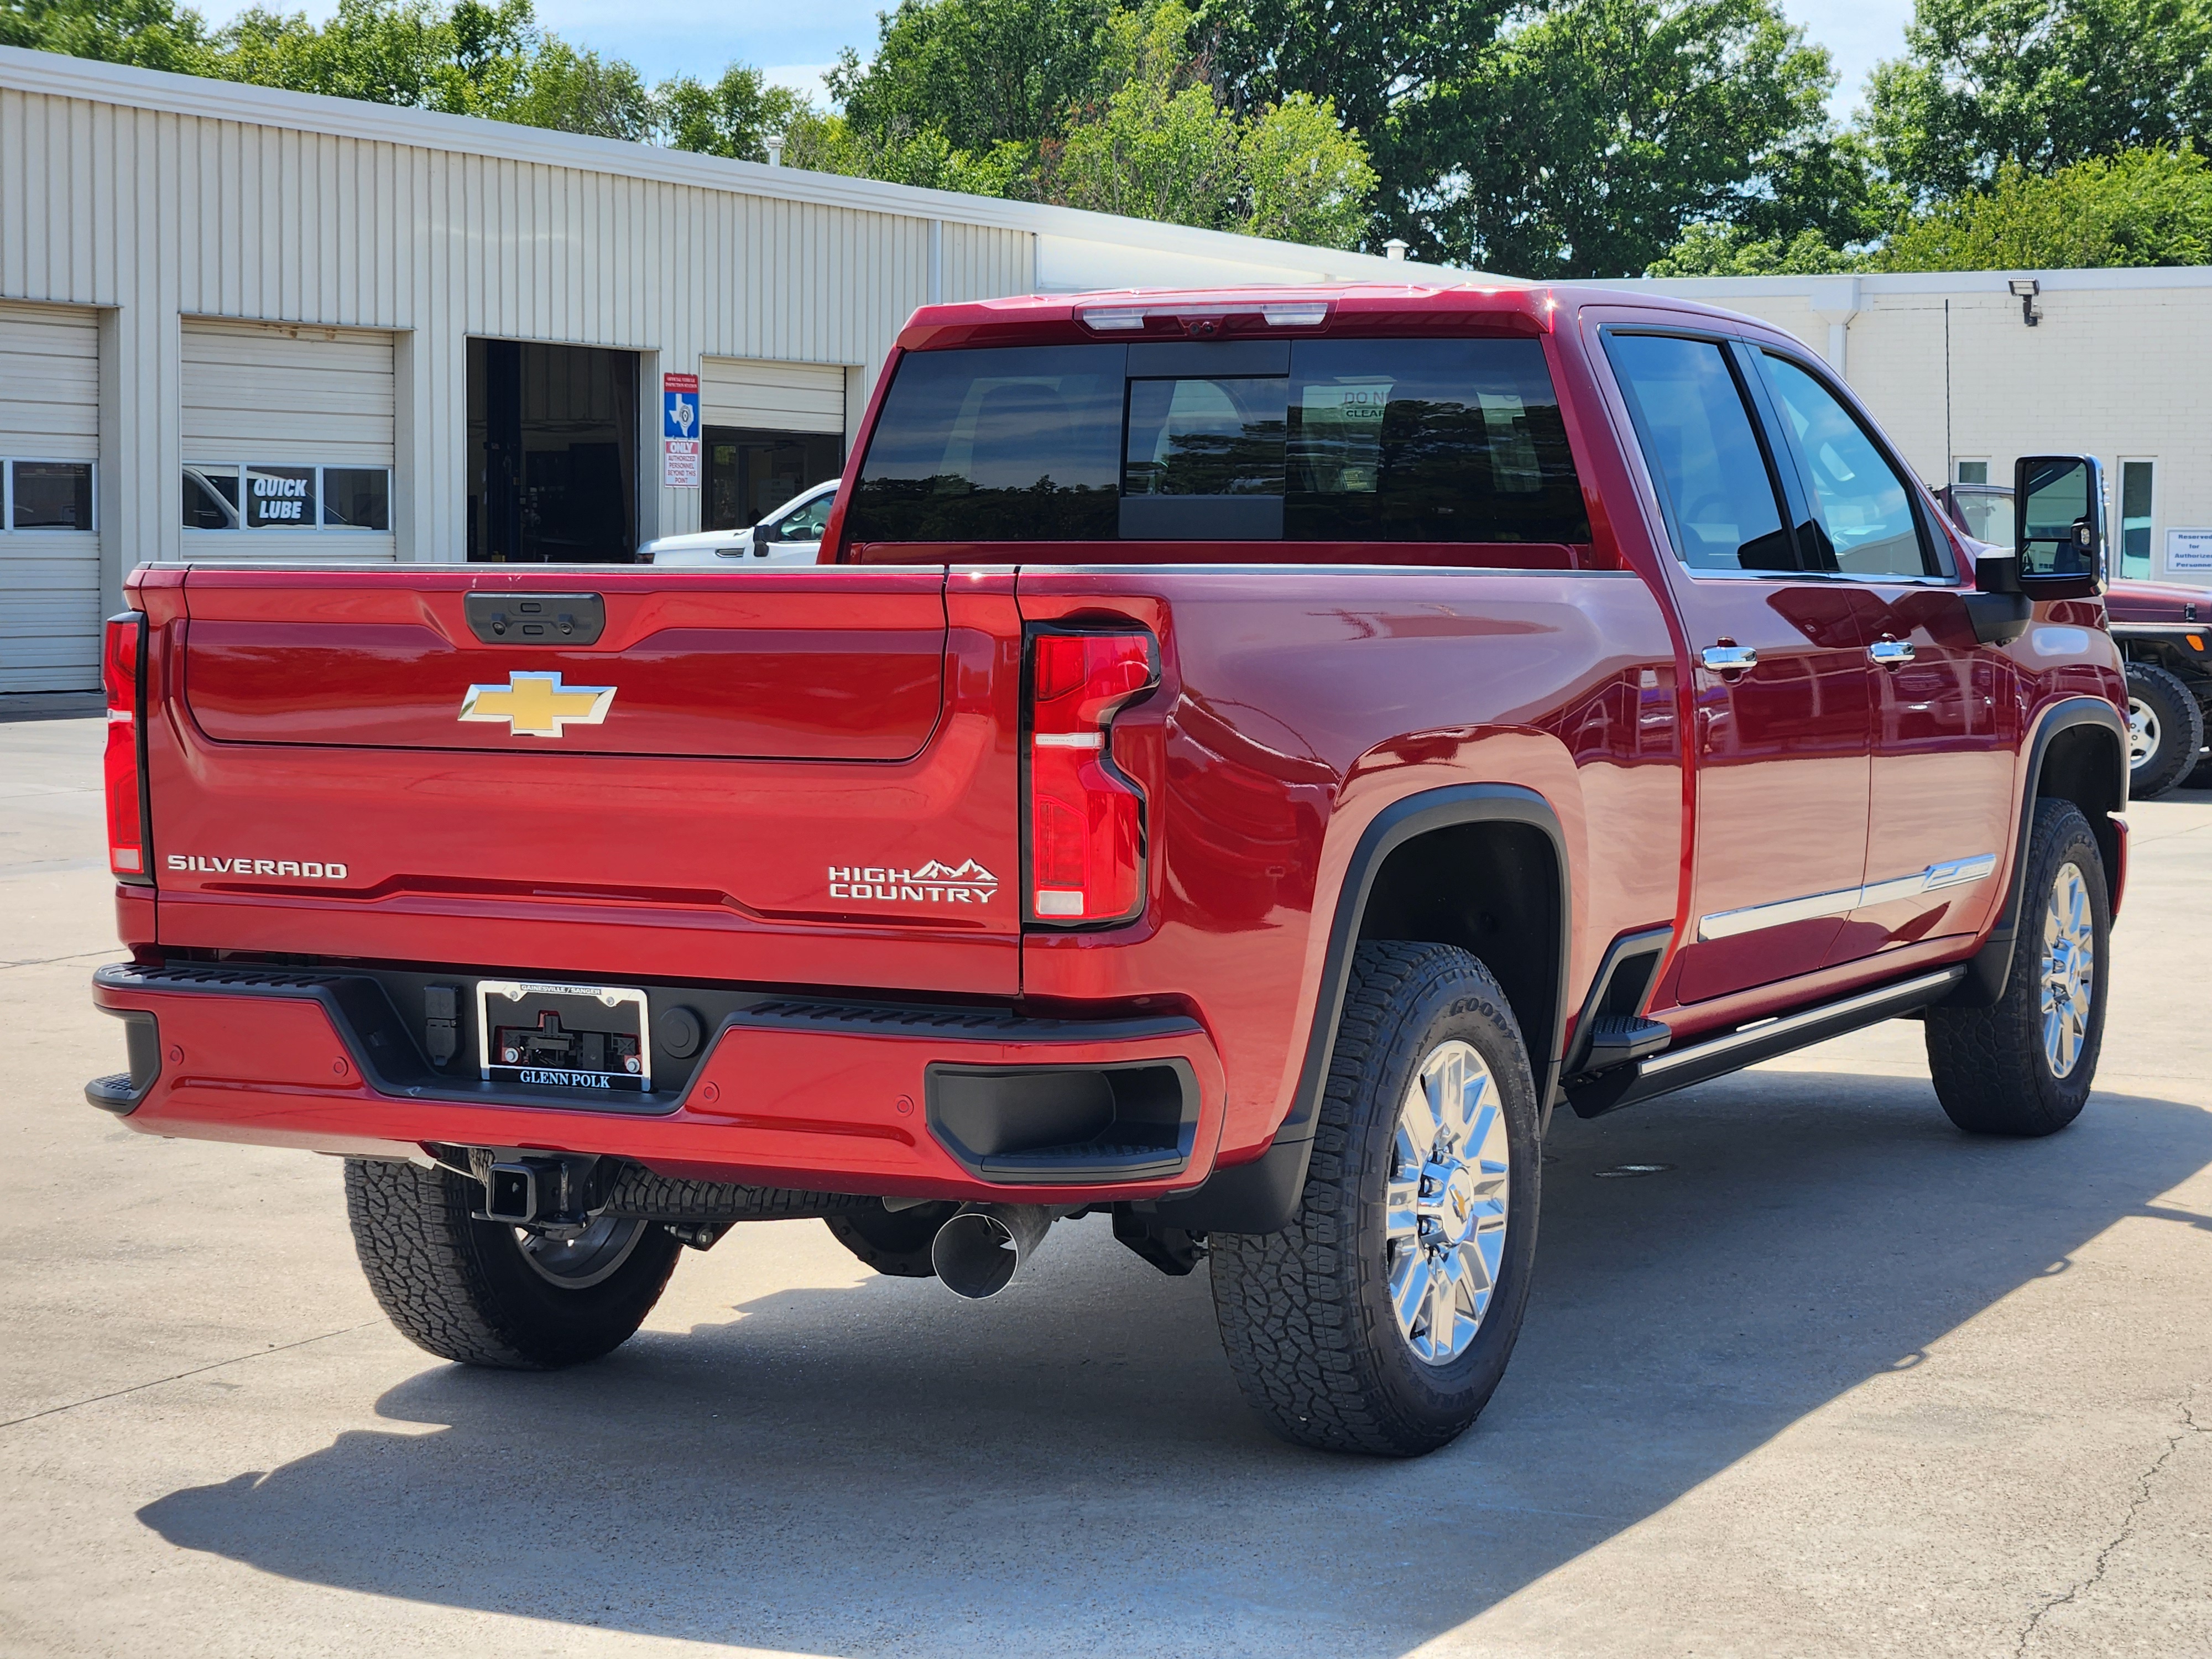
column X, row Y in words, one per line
column 1244, row 761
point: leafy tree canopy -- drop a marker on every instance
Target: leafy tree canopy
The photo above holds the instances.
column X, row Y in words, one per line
column 1585, row 140
column 2038, row 83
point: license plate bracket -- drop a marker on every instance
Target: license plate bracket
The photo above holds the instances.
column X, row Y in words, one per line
column 588, row 1038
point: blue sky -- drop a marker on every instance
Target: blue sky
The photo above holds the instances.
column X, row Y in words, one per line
column 796, row 42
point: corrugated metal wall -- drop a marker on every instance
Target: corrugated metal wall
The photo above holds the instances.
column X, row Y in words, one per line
column 49, row 579
column 157, row 217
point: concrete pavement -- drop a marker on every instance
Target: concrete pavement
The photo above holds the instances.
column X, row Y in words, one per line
column 1835, row 1380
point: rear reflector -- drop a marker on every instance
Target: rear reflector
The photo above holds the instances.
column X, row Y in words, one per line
column 1087, row 818
column 123, row 672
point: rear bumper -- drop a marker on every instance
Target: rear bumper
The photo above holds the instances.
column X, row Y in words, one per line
column 843, row 1096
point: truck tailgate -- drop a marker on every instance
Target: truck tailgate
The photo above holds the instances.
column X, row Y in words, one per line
column 780, row 778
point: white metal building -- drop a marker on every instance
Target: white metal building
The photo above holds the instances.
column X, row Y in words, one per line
column 2116, row 364
column 236, row 321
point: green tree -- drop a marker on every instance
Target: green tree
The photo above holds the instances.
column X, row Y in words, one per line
column 1306, row 178
column 1164, row 146
column 1379, row 65
column 2040, row 84
column 734, row 118
column 156, row 34
column 1713, row 250
column 2147, row 207
column 1587, row 140
column 981, row 72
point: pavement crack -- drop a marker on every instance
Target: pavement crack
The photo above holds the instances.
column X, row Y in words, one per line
column 179, row 1377
column 2189, row 1427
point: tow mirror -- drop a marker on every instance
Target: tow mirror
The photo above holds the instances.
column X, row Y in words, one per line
column 2059, row 537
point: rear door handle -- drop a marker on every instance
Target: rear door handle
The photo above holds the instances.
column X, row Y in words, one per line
column 1891, row 653
column 1730, row 659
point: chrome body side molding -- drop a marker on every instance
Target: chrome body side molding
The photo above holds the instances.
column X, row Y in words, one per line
column 1955, row 873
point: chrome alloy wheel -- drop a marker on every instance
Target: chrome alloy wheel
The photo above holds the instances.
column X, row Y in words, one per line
column 2069, row 970
column 2143, row 732
column 1445, row 1219
column 577, row 1263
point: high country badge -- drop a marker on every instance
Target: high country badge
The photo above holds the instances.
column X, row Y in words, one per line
column 536, row 705
column 932, row 882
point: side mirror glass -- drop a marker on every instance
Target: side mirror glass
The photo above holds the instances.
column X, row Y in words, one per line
column 2058, row 538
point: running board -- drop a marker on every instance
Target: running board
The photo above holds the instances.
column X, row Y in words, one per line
column 1680, row 1068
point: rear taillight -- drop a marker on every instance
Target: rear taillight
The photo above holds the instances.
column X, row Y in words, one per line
column 123, row 667
column 1086, row 820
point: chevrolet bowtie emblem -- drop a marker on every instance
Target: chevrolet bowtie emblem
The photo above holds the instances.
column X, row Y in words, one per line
column 536, row 705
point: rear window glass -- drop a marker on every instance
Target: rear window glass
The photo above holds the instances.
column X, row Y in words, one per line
column 1405, row 441
column 996, row 446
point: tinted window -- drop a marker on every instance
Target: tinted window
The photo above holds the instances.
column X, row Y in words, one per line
column 1859, row 502
column 1012, row 444
column 1428, row 440
column 1402, row 440
column 53, row 494
column 1697, row 436
column 210, row 498
column 359, row 497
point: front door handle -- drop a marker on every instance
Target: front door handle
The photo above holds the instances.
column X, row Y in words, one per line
column 1890, row 654
column 1731, row 659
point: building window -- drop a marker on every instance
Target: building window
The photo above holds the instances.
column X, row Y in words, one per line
column 1973, row 472
column 2138, row 492
column 47, row 496
column 279, row 497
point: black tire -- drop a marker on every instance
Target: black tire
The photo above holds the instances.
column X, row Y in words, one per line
column 464, row 1289
column 1306, row 1314
column 893, row 1241
column 1993, row 1071
column 2160, row 710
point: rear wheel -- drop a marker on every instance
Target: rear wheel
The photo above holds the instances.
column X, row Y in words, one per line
column 1381, row 1319
column 2024, row 1067
column 2166, row 728
column 484, row 1293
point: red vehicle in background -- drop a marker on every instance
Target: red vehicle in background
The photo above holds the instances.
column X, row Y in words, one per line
column 1244, row 762
column 2164, row 631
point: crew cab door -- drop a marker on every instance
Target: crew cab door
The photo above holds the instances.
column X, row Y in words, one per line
column 1783, row 720
column 1945, row 729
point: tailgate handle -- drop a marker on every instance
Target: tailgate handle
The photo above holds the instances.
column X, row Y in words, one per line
column 536, row 618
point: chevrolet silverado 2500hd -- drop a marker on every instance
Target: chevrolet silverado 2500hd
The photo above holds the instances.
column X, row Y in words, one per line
column 1243, row 763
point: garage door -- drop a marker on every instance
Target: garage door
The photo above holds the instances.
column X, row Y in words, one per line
column 49, row 552
column 287, row 441
column 771, row 396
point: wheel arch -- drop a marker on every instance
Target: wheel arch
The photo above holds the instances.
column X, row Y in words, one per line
column 2079, row 753
column 1421, row 864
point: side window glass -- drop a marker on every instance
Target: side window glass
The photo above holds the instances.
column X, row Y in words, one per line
column 806, row 522
column 1697, row 436
column 1859, row 502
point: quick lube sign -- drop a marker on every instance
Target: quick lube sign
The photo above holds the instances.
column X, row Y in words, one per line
column 280, row 496
column 679, row 431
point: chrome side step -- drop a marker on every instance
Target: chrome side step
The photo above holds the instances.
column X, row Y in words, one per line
column 1731, row 1051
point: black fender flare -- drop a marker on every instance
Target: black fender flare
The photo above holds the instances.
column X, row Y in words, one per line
column 1261, row 1196
column 1989, row 969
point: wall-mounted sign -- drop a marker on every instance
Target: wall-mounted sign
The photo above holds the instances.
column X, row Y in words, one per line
column 679, row 431
column 2189, row 550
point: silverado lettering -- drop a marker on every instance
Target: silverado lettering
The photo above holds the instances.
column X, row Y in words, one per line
column 1394, row 716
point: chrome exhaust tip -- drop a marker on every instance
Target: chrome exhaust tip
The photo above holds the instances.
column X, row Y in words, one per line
column 977, row 1252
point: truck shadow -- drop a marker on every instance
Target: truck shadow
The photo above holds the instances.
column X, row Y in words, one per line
column 883, row 1469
